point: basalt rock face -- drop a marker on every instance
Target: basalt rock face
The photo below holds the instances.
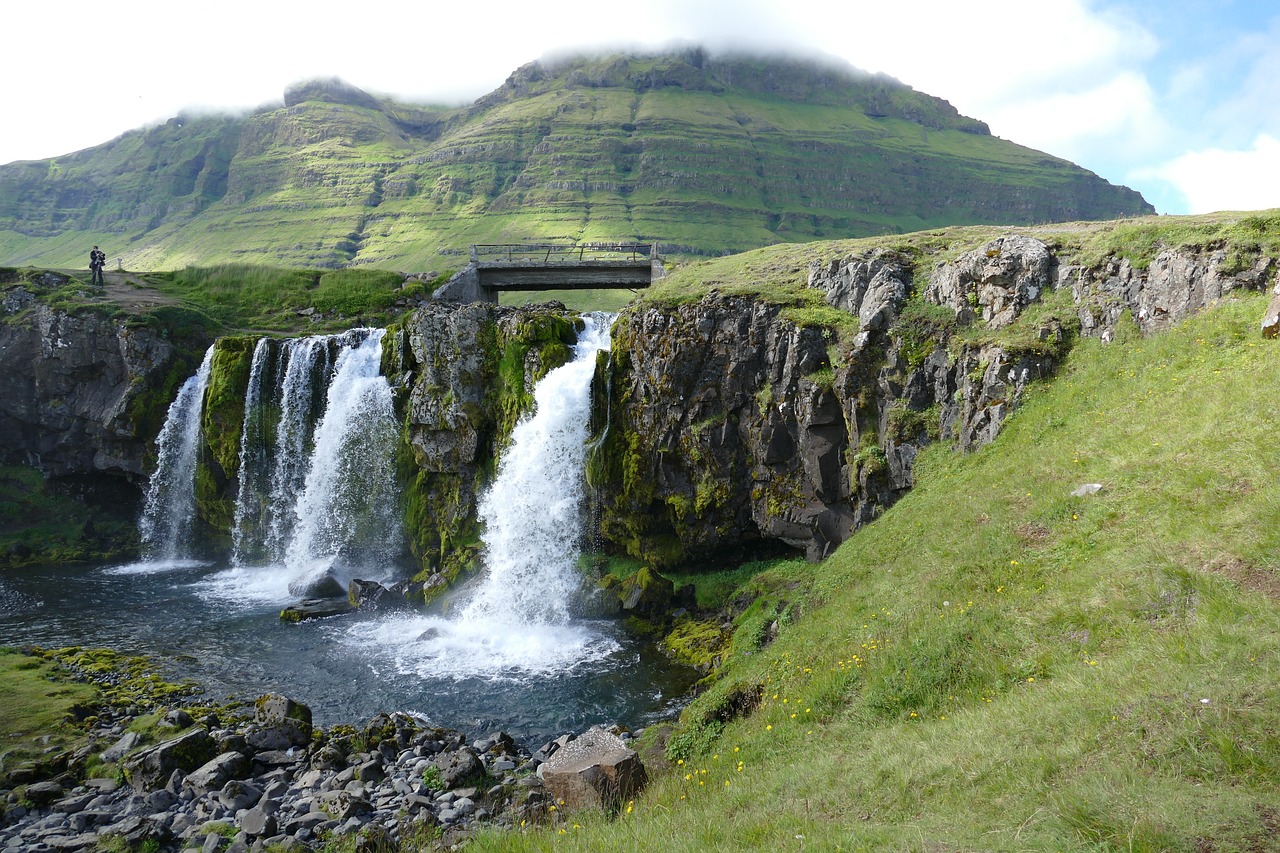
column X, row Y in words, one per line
column 79, row 394
column 729, row 427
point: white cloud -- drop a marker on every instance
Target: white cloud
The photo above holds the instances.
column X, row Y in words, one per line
column 1218, row 179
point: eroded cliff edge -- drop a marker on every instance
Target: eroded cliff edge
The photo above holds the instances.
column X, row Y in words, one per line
column 732, row 424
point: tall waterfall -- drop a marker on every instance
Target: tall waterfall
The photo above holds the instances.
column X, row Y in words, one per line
column 169, row 508
column 516, row 623
column 532, row 512
column 346, row 516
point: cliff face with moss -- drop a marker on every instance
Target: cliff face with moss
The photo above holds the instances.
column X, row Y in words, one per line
column 734, row 425
column 465, row 375
column 81, row 393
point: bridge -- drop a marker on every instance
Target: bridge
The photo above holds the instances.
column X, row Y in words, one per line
column 495, row 268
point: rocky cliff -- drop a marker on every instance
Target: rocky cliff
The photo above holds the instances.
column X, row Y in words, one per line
column 731, row 427
column 82, row 396
column 82, row 393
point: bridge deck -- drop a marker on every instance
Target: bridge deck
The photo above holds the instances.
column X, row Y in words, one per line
column 553, row 266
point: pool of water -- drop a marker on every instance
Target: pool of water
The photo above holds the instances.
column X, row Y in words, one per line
column 221, row 627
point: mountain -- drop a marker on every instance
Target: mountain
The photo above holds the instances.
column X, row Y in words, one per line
column 705, row 155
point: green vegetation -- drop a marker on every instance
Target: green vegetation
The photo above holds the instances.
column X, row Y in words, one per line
column 40, row 523
column 35, row 705
column 243, row 296
column 49, row 696
column 995, row 664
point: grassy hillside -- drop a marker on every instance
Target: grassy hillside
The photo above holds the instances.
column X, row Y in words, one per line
column 997, row 665
column 705, row 155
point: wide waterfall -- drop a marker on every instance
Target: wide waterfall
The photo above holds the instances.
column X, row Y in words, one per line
column 317, row 494
column 170, row 504
column 516, row 621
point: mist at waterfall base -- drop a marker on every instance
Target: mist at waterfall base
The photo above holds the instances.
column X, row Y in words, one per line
column 508, row 655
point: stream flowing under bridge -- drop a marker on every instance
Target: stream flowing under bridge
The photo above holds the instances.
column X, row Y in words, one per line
column 496, row 268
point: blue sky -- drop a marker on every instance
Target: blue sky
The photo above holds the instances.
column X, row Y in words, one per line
column 1179, row 99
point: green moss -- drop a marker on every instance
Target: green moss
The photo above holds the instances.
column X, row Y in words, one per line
column 221, row 424
column 698, row 643
column 920, row 328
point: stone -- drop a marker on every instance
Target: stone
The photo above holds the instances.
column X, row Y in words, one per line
column 1271, row 319
column 258, row 822
column 341, row 805
column 177, row 719
column 151, row 768
column 1086, row 489
column 238, row 795
column 279, row 723
column 646, row 592
column 214, row 774
column 995, row 282
column 595, row 770
column 459, row 767
column 43, row 793
column 315, row 608
column 373, row 596
column 116, row 751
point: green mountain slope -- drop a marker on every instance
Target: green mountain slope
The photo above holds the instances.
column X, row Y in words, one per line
column 705, row 155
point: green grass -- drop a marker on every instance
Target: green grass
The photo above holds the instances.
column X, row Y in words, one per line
column 997, row 665
column 34, row 708
column 244, row 296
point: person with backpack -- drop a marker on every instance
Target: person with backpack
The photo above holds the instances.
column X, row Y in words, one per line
column 97, row 259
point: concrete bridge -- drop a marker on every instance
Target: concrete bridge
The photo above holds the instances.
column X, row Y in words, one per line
column 552, row 266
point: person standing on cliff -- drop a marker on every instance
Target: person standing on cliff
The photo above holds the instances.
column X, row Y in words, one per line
column 97, row 259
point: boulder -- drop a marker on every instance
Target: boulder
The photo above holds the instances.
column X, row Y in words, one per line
column 151, row 768
column 279, row 723
column 1271, row 319
column 315, row 608
column 371, row 595
column 595, row 770
column 458, row 767
column 994, row 282
column 646, row 593
column 217, row 771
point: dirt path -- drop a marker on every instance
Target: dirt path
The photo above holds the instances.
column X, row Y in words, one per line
column 126, row 290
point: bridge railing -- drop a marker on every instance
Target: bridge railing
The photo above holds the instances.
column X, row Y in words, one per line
column 547, row 253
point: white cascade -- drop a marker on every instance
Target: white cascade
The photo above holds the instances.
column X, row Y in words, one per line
column 517, row 623
column 532, row 514
column 346, row 518
column 169, row 507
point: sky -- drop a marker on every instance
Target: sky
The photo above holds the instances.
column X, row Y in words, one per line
column 1179, row 99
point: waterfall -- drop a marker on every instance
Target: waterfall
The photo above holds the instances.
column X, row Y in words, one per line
column 516, row 623
column 165, row 526
column 316, row 501
column 532, row 512
column 347, row 513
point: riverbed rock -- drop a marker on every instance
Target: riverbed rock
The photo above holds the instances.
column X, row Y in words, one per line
column 458, row 767
column 315, row 608
column 279, row 723
column 151, row 768
column 594, row 770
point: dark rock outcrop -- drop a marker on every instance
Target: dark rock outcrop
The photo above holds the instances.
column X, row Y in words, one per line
column 732, row 424
column 78, row 393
